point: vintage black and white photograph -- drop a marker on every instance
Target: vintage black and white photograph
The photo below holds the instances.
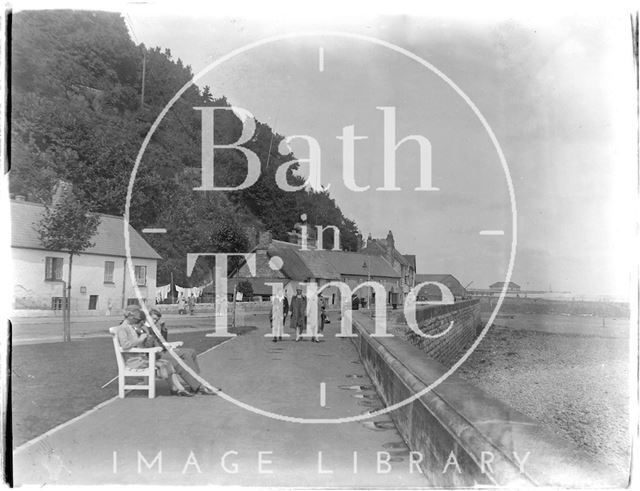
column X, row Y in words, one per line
column 353, row 246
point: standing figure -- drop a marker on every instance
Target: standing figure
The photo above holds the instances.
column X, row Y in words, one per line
column 182, row 305
column 275, row 314
column 192, row 304
column 285, row 309
column 299, row 313
column 315, row 323
column 322, row 309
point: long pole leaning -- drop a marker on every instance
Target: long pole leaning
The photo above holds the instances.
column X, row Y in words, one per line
column 67, row 325
column 64, row 310
column 144, row 75
column 235, row 294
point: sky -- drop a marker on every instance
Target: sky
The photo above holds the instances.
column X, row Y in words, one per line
column 556, row 92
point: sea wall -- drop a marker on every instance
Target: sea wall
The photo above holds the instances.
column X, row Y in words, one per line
column 461, row 435
column 455, row 325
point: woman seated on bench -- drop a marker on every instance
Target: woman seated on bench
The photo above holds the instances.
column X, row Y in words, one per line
column 131, row 334
column 189, row 356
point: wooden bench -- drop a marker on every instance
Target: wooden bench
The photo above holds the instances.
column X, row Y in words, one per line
column 148, row 372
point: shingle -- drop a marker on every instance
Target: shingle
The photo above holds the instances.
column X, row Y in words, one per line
column 109, row 239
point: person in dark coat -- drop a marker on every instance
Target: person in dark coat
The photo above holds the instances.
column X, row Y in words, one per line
column 323, row 314
column 285, row 309
column 299, row 313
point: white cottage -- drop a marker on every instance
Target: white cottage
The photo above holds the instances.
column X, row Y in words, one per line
column 100, row 277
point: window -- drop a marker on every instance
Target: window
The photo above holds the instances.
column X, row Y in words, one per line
column 135, row 301
column 53, row 268
column 57, row 303
column 108, row 271
column 141, row 275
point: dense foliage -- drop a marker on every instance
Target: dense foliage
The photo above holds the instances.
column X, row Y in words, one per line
column 77, row 115
column 246, row 289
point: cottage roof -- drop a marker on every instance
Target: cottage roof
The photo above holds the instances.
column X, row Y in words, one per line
column 302, row 265
column 378, row 247
column 358, row 264
column 299, row 265
column 109, row 238
column 293, row 266
column 500, row 284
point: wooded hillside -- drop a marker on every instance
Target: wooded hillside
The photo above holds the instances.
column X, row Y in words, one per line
column 77, row 115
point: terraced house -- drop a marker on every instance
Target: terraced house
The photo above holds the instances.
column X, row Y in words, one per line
column 403, row 264
column 322, row 267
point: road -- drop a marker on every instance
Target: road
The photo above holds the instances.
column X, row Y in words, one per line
column 49, row 329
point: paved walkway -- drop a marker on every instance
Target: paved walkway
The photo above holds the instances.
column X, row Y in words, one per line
column 194, row 434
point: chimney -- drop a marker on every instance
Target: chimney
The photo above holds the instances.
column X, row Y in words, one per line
column 390, row 242
column 264, row 240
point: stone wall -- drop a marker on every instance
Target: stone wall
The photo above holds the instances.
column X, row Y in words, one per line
column 435, row 319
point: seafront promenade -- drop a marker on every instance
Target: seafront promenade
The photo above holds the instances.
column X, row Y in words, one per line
column 257, row 432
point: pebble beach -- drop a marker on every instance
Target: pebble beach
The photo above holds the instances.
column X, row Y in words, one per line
column 574, row 381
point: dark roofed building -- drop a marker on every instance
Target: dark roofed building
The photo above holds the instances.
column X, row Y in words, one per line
column 411, row 259
column 293, row 267
column 433, row 293
column 500, row 285
column 322, row 267
column 404, row 265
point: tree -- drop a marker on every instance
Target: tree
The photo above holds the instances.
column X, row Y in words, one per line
column 66, row 226
column 207, row 97
column 226, row 236
column 246, row 289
